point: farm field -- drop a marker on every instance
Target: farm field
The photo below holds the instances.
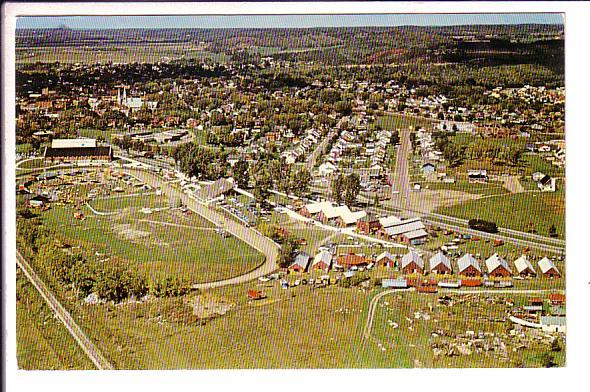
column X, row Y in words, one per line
column 120, row 54
column 158, row 244
column 516, row 211
column 43, row 343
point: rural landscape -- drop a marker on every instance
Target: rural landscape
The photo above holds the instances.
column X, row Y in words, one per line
column 291, row 198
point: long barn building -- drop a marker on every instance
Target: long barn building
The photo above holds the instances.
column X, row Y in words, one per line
column 67, row 150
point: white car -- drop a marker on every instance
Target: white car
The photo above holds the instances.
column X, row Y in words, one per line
column 264, row 279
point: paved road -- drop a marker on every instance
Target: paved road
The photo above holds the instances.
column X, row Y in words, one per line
column 250, row 236
column 313, row 157
column 64, row 316
column 372, row 307
column 515, row 241
column 401, row 181
column 497, row 291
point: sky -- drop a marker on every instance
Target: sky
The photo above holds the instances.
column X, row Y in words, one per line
column 262, row 21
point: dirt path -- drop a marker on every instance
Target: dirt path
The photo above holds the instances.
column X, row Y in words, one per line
column 205, row 228
column 101, row 213
column 513, row 184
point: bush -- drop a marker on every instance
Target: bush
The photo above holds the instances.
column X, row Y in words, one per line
column 353, row 280
column 482, row 225
column 170, row 286
column 116, row 284
column 82, row 276
column 547, row 360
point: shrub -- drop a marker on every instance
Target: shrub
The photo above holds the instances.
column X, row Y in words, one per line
column 483, row 225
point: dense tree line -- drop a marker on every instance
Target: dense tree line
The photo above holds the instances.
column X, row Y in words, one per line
column 200, row 162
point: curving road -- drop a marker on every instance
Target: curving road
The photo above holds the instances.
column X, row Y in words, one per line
column 373, row 306
column 247, row 234
column 64, row 316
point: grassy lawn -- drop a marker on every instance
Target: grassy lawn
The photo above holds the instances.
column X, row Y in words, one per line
column 400, row 121
column 536, row 163
column 158, row 244
column 96, row 133
column 489, row 188
column 42, row 342
column 24, row 148
column 410, row 342
column 515, row 211
column 33, row 164
column 122, row 202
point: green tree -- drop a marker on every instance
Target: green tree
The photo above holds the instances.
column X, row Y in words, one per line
column 115, row 284
column 352, row 187
column 240, row 173
column 547, row 360
column 454, row 154
column 170, row 286
column 23, row 210
column 514, row 156
column 82, row 276
column 338, row 188
column 287, row 250
column 262, row 188
column 300, row 182
column 555, row 345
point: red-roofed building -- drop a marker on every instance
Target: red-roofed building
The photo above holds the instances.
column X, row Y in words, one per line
column 557, row 299
column 351, row 260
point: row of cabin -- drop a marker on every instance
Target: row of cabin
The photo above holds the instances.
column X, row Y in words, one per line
column 409, row 231
column 412, row 263
column 468, row 265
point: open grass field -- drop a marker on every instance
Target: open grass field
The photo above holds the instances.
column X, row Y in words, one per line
column 42, row 342
column 116, row 54
column 96, row 133
column 484, row 189
column 516, row 211
column 396, row 121
column 536, row 163
column 296, row 328
column 408, row 345
column 33, row 164
column 159, row 244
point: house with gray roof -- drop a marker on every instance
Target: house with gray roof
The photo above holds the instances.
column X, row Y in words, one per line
column 412, row 263
column 300, row 263
column 468, row 266
column 440, row 264
column 497, row 266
